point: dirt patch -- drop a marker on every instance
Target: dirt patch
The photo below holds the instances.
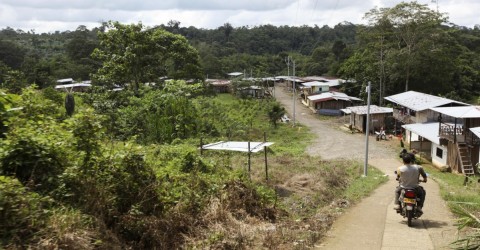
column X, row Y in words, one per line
column 304, row 183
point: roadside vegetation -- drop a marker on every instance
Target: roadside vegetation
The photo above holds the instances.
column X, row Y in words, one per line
column 103, row 178
column 463, row 199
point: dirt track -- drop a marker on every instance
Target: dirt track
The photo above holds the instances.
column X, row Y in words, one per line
column 373, row 224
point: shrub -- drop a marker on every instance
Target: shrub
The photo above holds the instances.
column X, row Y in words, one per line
column 22, row 213
column 35, row 154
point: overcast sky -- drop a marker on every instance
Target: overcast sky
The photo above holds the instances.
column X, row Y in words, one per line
column 62, row 15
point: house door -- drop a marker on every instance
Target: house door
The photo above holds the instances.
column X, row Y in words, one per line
column 364, row 123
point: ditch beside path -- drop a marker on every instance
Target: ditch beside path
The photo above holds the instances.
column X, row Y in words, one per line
column 372, row 223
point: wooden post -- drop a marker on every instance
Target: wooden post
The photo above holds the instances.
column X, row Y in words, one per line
column 265, row 149
column 201, row 146
column 455, row 132
column 249, row 158
column 410, row 141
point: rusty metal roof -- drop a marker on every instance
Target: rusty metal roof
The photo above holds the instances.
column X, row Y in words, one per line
column 420, row 101
column 374, row 109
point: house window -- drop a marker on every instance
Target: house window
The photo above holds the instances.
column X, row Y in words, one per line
column 439, row 153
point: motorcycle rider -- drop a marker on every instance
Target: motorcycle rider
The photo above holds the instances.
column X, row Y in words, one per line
column 408, row 175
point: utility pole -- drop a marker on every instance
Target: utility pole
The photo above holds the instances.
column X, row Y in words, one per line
column 294, row 91
column 287, row 61
column 367, row 132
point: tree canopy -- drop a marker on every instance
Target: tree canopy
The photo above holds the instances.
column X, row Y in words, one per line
column 131, row 54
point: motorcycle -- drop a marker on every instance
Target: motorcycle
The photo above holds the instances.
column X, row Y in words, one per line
column 408, row 204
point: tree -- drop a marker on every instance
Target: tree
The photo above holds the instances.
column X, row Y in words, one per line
column 80, row 46
column 131, row 54
column 227, row 28
column 337, row 48
column 412, row 24
column 402, row 48
column 275, row 113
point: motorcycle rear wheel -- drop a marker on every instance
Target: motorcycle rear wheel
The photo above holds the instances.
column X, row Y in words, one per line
column 409, row 217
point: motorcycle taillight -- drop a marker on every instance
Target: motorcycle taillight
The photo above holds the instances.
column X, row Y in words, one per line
column 410, row 194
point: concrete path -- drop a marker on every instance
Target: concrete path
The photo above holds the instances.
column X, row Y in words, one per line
column 372, row 223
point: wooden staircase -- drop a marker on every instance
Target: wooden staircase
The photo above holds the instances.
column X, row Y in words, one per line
column 465, row 160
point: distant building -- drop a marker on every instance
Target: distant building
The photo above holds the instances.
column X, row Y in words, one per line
column 220, row 85
column 358, row 117
column 330, row 103
column 70, row 85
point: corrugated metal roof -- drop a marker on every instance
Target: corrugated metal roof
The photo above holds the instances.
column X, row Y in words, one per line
column 332, row 95
column 241, row 146
column 460, row 112
column 72, row 85
column 65, row 80
column 419, row 101
column 346, row 111
column 374, row 109
column 425, row 130
column 476, row 131
column 314, row 84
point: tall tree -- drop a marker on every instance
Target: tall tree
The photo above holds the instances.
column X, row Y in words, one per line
column 413, row 24
column 397, row 49
column 133, row 54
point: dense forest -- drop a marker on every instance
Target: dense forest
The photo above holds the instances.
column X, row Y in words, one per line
column 405, row 47
column 109, row 169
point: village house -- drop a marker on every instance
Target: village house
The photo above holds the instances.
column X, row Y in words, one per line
column 70, row 85
column 378, row 116
column 330, row 103
column 252, row 91
column 219, row 85
column 461, row 142
column 414, row 107
column 423, row 137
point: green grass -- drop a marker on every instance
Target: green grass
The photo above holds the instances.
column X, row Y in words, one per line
column 463, row 200
column 362, row 186
column 453, row 190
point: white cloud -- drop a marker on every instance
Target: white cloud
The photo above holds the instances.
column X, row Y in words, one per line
column 52, row 15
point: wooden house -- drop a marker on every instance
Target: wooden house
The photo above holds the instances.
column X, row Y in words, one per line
column 220, row 85
column 252, row 91
column 461, row 142
column 378, row 115
column 330, row 103
column 312, row 88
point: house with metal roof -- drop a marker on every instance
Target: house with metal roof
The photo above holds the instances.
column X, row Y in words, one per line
column 74, row 87
column 415, row 107
column 219, row 85
column 424, row 137
column 378, row 116
column 65, row 81
column 330, row 103
column 462, row 143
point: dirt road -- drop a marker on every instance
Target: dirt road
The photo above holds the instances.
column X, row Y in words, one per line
column 372, row 223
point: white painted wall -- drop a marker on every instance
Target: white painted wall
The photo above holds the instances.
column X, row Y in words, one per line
column 439, row 161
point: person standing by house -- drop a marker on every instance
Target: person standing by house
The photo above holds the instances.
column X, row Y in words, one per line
column 408, row 175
